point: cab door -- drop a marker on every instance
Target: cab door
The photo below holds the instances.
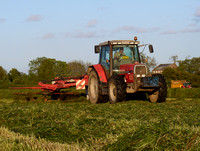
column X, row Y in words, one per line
column 104, row 59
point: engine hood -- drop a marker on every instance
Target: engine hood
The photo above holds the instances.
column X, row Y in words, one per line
column 137, row 68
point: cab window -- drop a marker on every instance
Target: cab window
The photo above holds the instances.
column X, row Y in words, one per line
column 105, row 54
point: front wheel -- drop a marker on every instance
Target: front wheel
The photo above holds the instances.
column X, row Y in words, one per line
column 117, row 89
column 94, row 89
column 159, row 95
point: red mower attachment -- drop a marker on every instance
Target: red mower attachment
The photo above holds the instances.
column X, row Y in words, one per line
column 53, row 88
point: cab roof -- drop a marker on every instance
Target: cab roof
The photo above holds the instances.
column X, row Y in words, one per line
column 120, row 42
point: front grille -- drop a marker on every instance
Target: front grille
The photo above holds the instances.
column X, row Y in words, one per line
column 140, row 70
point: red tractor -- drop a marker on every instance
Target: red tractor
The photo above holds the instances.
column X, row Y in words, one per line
column 120, row 71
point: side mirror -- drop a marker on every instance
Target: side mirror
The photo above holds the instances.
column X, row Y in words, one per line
column 96, row 49
column 150, row 48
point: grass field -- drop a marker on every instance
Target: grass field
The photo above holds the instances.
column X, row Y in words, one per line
column 79, row 125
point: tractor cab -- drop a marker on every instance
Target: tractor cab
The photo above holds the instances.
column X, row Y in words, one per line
column 120, row 56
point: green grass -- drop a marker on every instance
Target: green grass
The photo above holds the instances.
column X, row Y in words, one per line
column 183, row 93
column 12, row 93
column 131, row 125
column 15, row 141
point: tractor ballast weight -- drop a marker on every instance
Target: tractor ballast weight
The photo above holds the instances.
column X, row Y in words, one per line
column 120, row 71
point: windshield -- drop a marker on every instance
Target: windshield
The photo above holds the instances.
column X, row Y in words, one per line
column 124, row 54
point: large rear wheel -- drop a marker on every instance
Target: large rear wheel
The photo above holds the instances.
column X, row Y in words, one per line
column 117, row 89
column 159, row 95
column 94, row 89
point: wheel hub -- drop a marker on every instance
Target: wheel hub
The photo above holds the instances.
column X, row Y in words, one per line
column 113, row 91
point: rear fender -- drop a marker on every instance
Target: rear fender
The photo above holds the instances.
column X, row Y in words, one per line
column 100, row 71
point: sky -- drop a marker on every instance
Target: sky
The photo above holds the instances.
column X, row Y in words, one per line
column 68, row 30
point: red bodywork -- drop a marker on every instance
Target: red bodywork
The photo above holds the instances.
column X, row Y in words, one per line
column 128, row 71
column 101, row 72
column 186, row 85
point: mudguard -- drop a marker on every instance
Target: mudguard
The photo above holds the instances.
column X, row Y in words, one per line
column 100, row 71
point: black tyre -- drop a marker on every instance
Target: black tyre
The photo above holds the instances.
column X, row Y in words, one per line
column 94, row 89
column 159, row 95
column 117, row 89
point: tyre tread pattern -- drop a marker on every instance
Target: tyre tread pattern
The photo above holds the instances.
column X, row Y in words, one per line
column 100, row 98
column 121, row 88
column 163, row 89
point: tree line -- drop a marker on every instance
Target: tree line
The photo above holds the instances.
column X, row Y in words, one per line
column 188, row 69
column 44, row 69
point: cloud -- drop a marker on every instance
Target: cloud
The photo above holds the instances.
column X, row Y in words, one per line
column 192, row 25
column 186, row 30
column 34, row 18
column 190, row 30
column 2, row 20
column 197, row 15
column 135, row 29
column 48, row 36
column 80, row 34
column 92, row 23
column 170, row 32
column 85, row 34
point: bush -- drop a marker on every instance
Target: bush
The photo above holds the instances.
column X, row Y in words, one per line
column 174, row 74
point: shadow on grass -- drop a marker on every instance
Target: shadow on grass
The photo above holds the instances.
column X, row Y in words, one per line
column 137, row 96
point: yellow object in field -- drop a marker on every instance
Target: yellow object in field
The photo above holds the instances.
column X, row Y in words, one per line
column 177, row 83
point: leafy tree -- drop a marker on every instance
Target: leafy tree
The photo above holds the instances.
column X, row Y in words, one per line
column 190, row 65
column 188, row 69
column 16, row 78
column 61, row 69
column 175, row 74
column 3, row 73
column 42, row 69
column 4, row 81
column 77, row 68
column 14, row 74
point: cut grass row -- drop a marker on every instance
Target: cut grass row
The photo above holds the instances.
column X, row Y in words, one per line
column 172, row 93
column 132, row 125
column 15, row 141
